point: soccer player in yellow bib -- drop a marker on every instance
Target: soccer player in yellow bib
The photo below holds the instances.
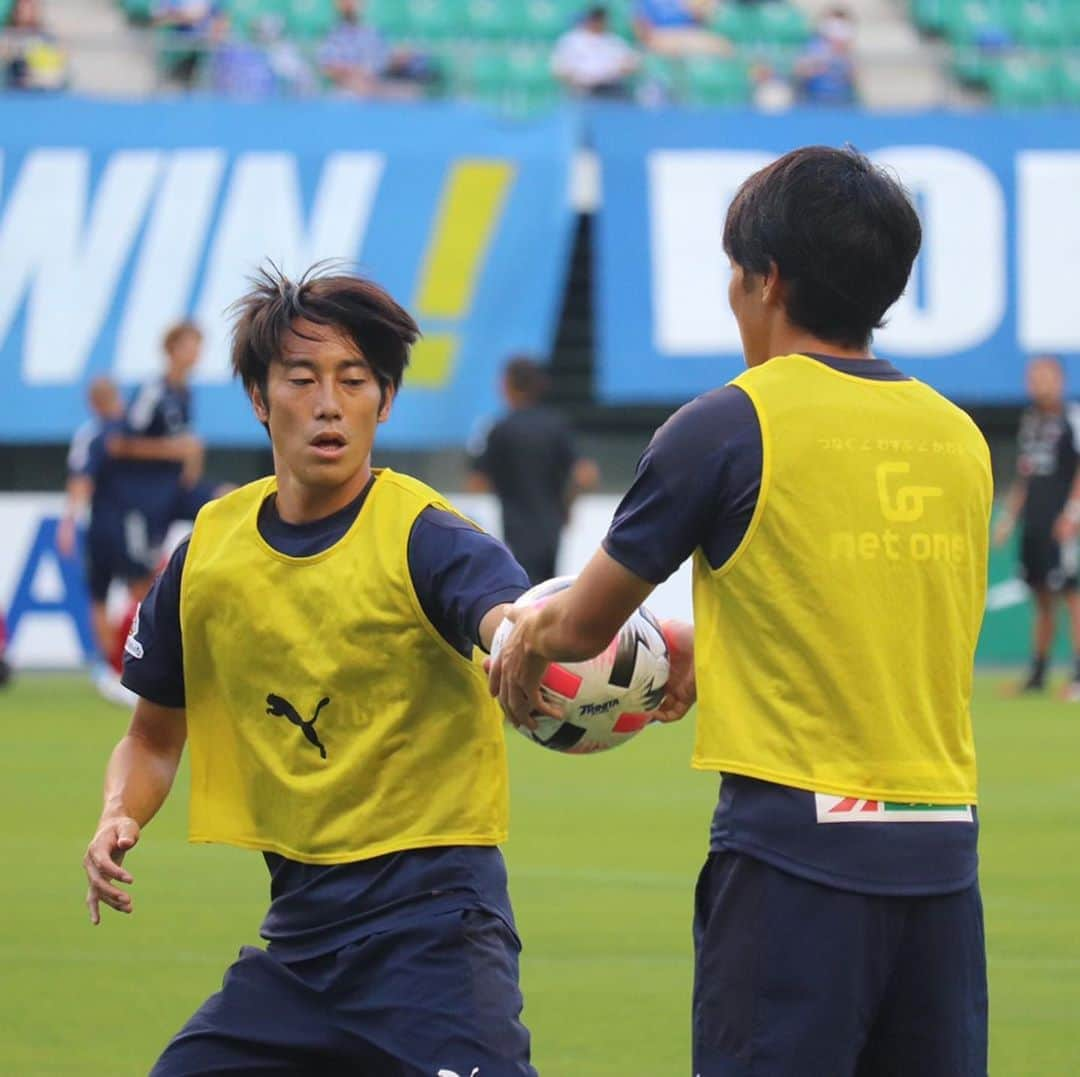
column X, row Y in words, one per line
column 313, row 644
column 837, row 513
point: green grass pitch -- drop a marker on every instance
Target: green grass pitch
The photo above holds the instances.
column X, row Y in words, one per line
column 603, row 856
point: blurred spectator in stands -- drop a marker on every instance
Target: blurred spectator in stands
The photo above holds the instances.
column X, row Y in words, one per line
column 359, row 61
column 592, row 61
column 293, row 73
column 772, row 92
column 189, row 25
column 678, row 28
column 826, row 71
column 237, row 67
column 31, row 57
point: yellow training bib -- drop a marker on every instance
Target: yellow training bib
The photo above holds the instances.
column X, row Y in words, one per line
column 328, row 719
column 835, row 647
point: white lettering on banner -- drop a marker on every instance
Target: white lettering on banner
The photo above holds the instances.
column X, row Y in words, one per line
column 1048, row 250
column 69, row 260
column 262, row 218
column 963, row 256
column 689, row 194
column 168, row 260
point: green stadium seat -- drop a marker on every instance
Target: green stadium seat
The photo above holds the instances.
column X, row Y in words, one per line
column 311, row 19
column 1038, row 23
column 1068, row 79
column 135, row 10
column 243, row 14
column 663, row 74
column 971, row 21
column 431, row 20
column 543, row 20
column 780, row 22
column 488, row 74
column 736, row 23
column 531, row 81
column 930, row 15
column 717, row 82
column 492, row 19
column 971, row 65
column 1022, row 82
column 388, row 16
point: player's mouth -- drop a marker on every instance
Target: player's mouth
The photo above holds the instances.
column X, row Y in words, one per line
column 329, row 445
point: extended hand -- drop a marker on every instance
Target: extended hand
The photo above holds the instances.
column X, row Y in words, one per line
column 1065, row 529
column 514, row 675
column 1003, row 529
column 103, row 860
column 681, row 692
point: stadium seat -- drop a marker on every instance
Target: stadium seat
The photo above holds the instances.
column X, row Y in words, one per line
column 717, row 82
column 929, row 15
column 780, row 22
column 735, row 22
column 388, row 16
column 1039, row 23
column 136, row 10
column 971, row 65
column 1068, row 79
column 431, row 20
column 1021, row 81
column 976, row 22
column 544, row 20
column 532, row 85
column 310, row 19
column 661, row 77
column 490, row 19
column 243, row 14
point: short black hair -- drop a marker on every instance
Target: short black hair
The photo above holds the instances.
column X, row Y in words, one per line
column 379, row 326
column 526, row 376
column 842, row 232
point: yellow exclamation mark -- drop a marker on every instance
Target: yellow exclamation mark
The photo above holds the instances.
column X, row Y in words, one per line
column 472, row 203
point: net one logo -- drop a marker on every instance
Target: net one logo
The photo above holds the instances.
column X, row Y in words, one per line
column 900, row 502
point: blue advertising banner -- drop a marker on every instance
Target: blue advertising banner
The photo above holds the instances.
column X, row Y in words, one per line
column 998, row 194
column 116, row 220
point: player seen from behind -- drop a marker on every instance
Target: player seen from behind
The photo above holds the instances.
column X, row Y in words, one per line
column 837, row 514
column 313, row 642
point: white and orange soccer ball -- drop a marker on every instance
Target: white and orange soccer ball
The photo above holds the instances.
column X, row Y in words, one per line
column 607, row 699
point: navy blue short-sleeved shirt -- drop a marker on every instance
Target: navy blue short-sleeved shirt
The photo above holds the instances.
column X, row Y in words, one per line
column 696, row 486
column 459, row 573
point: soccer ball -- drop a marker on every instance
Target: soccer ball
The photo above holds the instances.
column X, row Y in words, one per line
column 606, row 699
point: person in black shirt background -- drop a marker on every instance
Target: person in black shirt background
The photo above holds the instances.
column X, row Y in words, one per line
column 1045, row 500
column 529, row 460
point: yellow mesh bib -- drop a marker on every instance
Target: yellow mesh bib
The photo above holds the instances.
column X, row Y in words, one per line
column 328, row 720
column 835, row 647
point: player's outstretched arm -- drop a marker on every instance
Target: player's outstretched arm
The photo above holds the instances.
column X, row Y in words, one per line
column 137, row 781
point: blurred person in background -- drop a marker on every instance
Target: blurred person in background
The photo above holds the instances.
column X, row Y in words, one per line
column 189, row 24
column 237, row 66
column 591, row 61
column 825, row 71
column 1044, row 499
column 104, row 490
column 529, row 460
column 678, row 28
column 359, row 61
column 31, row 57
column 5, row 666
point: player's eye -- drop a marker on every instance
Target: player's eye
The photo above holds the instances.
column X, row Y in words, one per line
column 301, row 381
column 355, row 382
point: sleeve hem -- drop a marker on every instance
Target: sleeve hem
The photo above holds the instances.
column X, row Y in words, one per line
column 153, row 694
column 484, row 605
column 649, row 575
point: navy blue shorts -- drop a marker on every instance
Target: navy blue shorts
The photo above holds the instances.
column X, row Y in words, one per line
column 438, row 997
column 122, row 545
column 795, row 978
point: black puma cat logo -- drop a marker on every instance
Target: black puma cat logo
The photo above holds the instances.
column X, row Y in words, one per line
column 284, row 709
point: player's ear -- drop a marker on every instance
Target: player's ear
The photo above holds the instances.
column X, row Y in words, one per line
column 262, row 412
column 772, row 286
column 385, row 403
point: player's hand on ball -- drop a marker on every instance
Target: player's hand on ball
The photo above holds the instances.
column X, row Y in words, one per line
column 681, row 692
column 514, row 675
column 103, row 865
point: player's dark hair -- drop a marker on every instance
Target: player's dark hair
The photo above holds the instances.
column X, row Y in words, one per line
column 527, row 377
column 842, row 232
column 365, row 313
